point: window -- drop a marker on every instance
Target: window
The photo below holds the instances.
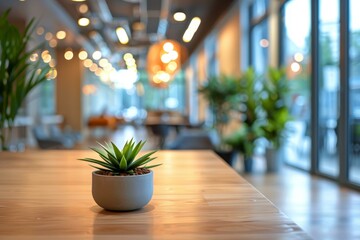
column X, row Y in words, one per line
column 354, row 96
column 259, row 8
column 329, row 86
column 295, row 49
column 259, row 36
column 259, row 49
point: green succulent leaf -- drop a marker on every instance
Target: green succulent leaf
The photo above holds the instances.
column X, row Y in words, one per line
column 117, row 152
column 140, row 161
column 101, row 154
column 136, row 150
column 152, row 166
column 101, row 163
column 117, row 160
column 99, row 168
column 123, row 164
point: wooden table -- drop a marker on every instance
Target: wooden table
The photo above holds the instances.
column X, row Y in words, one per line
column 47, row 195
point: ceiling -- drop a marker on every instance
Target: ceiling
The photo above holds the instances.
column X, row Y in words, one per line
column 145, row 21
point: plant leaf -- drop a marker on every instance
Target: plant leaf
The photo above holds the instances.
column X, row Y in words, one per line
column 136, row 150
column 104, row 164
column 101, row 154
column 152, row 166
column 140, row 160
column 123, row 164
column 117, row 152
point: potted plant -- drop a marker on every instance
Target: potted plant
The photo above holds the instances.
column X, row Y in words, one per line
column 244, row 139
column 276, row 114
column 18, row 75
column 220, row 92
column 122, row 182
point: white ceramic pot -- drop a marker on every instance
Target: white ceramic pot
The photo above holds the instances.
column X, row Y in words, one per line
column 122, row 193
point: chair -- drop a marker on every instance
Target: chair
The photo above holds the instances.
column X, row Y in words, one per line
column 161, row 131
column 46, row 141
column 56, row 132
column 191, row 140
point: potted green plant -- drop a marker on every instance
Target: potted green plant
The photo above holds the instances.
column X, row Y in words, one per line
column 244, row 139
column 122, row 182
column 276, row 114
column 18, row 75
column 220, row 92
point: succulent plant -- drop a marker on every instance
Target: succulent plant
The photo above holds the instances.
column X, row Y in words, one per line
column 121, row 161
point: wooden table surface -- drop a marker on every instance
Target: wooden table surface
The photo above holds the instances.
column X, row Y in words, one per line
column 47, row 195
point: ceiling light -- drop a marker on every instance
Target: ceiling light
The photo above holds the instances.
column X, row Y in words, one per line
column 83, row 8
column 195, row 23
column 130, row 62
column 52, row 74
column 173, row 55
column 98, row 72
column 165, row 58
column 93, row 67
column 61, row 35
column 40, row 31
column 78, row 0
column 179, row 16
column 103, row 62
column 82, row 55
column 83, row 21
column 44, row 53
column 53, row 43
column 68, row 55
column 47, row 58
column 122, row 35
column 96, row 55
column 34, row 57
column 168, row 47
column 52, row 63
column 171, row 67
column 48, row 36
column 128, row 56
column 87, row 63
column 190, row 31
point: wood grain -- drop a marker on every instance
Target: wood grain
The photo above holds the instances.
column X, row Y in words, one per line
column 47, row 195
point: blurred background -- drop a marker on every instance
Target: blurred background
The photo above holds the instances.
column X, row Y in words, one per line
column 133, row 68
column 179, row 74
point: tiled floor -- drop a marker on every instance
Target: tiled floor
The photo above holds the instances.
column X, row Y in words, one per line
column 319, row 206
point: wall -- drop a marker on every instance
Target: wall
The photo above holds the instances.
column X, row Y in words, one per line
column 202, row 76
column 219, row 53
column 68, row 90
column 229, row 46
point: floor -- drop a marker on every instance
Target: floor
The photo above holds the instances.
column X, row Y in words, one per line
column 321, row 207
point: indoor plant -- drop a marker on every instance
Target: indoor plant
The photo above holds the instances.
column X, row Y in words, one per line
column 121, row 182
column 220, row 92
column 244, row 139
column 18, row 75
column 276, row 114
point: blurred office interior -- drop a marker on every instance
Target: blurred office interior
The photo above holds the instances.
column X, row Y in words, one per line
column 103, row 87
